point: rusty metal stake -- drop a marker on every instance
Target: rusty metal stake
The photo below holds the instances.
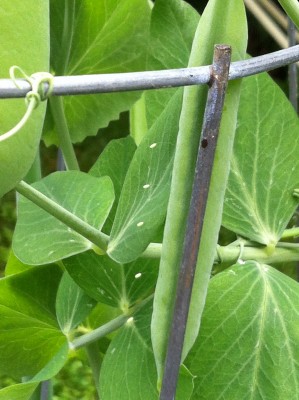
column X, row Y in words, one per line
column 203, row 172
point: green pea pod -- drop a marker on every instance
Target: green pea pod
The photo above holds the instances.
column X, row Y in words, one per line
column 291, row 7
column 24, row 31
column 223, row 22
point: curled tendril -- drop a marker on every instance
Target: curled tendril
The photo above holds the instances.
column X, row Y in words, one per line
column 41, row 88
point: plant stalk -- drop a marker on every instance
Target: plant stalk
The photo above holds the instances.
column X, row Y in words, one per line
column 231, row 253
column 290, row 233
column 65, row 143
column 111, row 326
column 63, row 215
column 228, row 253
column 138, row 123
column 100, row 332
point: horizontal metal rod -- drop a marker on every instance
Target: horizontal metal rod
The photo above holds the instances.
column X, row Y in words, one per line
column 105, row 83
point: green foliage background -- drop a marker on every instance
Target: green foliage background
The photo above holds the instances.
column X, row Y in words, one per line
column 75, row 380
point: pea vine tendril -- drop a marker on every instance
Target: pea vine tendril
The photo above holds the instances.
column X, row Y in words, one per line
column 41, row 88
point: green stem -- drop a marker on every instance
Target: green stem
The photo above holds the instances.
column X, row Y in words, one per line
column 63, row 215
column 152, row 251
column 290, row 233
column 291, row 7
column 230, row 254
column 111, row 326
column 56, row 105
column 284, row 252
column 100, row 332
column 288, row 245
column 138, row 123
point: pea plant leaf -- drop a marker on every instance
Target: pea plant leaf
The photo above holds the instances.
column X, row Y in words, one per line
column 173, row 25
column 21, row 391
column 72, row 304
column 142, row 205
column 248, row 342
column 264, row 167
column 53, row 366
column 20, row 149
column 100, row 37
column 14, row 265
column 29, row 333
column 130, row 362
column 114, row 162
column 48, row 239
column 117, row 285
column 143, row 201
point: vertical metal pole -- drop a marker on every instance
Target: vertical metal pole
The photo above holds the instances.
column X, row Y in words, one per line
column 293, row 92
column 201, row 183
column 293, row 77
column 46, row 390
column 60, row 161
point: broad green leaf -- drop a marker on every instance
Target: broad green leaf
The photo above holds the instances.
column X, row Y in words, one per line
column 118, row 285
column 143, row 201
column 24, row 31
column 101, row 37
column 247, row 347
column 265, row 165
column 29, row 334
column 21, row 391
column 47, row 239
column 14, row 265
column 173, row 25
column 130, row 362
column 72, row 304
column 114, row 162
column 54, row 365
